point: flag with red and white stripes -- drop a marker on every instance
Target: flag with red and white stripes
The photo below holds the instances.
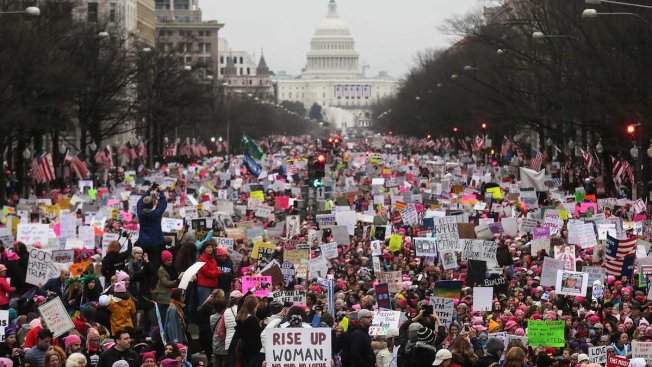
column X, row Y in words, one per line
column 78, row 164
column 587, row 157
column 536, row 160
column 479, row 143
column 617, row 168
column 43, row 168
column 505, row 148
column 618, row 254
column 171, row 151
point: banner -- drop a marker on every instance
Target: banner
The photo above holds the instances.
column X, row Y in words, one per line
column 546, row 333
column 289, row 296
column 56, row 317
column 293, row 347
column 598, row 354
column 642, row 350
column 261, row 284
column 444, row 308
column 613, row 361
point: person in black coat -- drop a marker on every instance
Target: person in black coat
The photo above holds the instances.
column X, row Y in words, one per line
column 424, row 352
column 56, row 285
column 495, row 348
column 114, row 260
column 361, row 354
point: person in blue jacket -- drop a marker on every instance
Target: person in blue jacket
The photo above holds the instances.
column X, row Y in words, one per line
column 150, row 209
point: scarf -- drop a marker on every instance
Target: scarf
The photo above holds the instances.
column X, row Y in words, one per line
column 180, row 306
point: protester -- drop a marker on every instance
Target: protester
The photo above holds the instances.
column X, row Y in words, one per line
column 175, row 320
column 37, row 353
column 248, row 332
column 120, row 351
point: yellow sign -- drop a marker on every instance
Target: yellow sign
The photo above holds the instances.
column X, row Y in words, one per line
column 496, row 192
column 257, row 195
column 262, row 245
column 395, row 242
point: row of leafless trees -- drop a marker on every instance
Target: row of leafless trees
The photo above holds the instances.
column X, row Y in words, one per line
column 538, row 65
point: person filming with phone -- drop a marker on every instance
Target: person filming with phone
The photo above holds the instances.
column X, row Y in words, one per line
column 150, row 209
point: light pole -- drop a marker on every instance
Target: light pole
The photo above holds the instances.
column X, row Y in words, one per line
column 538, row 35
column 598, row 2
column 592, row 13
column 228, row 121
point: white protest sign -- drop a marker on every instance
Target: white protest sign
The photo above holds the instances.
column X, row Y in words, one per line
column 446, row 229
column 392, row 278
column 325, row 220
column 482, row 298
column 443, row 307
column 63, row 256
column 376, row 249
column 318, row 267
column 67, row 226
column 289, row 296
column 87, row 235
column 171, row 225
column 549, row 271
column 56, row 317
column 225, row 242
column 107, row 238
column 571, row 283
column 527, row 224
column 31, row 233
column 598, row 354
column 642, row 350
column 425, row 246
column 4, row 322
column 382, row 321
column 187, row 275
column 40, row 267
column 329, row 250
column 294, row 347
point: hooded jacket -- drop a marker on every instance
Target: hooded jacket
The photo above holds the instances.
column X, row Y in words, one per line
column 209, row 274
column 150, row 234
column 361, row 354
column 422, row 355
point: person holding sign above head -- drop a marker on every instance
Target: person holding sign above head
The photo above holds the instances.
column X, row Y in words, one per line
column 150, row 209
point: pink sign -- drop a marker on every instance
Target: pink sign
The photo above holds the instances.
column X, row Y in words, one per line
column 261, row 284
column 585, row 206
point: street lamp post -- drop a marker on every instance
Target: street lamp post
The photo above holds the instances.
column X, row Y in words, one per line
column 30, row 10
column 592, row 13
column 598, row 2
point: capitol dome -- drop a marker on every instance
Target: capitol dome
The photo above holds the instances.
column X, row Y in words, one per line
column 332, row 49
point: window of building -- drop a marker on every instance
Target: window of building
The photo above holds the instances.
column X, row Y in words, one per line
column 221, row 59
column 207, row 33
column 204, row 47
column 221, row 71
column 187, row 47
column 112, row 11
column 163, row 4
column 241, row 60
column 240, row 71
column 290, row 95
column 92, row 12
column 248, row 71
column 187, row 60
column 181, row 5
column 250, row 82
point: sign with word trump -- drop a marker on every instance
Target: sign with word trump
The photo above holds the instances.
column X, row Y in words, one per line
column 294, row 347
column 40, row 267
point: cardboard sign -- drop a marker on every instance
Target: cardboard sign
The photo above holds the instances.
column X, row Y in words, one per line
column 444, row 308
column 571, row 283
column 289, row 296
column 329, row 250
column 393, row 280
column 382, row 321
column 262, row 249
column 446, row 229
column 171, row 225
column 40, row 267
column 613, row 361
column 187, row 275
column 4, row 322
column 261, row 284
column 56, row 317
column 376, row 248
column 546, row 333
column 549, row 271
column 482, row 298
column 31, row 233
column 293, row 347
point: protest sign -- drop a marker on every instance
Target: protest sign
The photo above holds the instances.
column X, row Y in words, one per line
column 595, row 273
column 527, row 224
column 613, row 361
column 382, row 321
column 329, row 250
column 567, row 255
column 446, row 229
column 187, row 275
column 171, row 225
column 31, row 233
column 393, row 280
column 482, row 298
column 480, row 250
column 546, row 333
column 598, row 354
column 395, row 242
column 262, row 250
column 106, row 240
column 289, row 296
column 318, row 267
column 376, row 248
column 87, row 235
column 448, row 259
column 642, row 350
column 447, row 288
column 225, row 242
column 443, row 307
column 63, row 256
column 68, row 226
column 40, row 267
column 4, row 322
column 55, row 316
column 571, row 283
column 325, row 220
column 549, row 271
column 294, row 347
column 425, row 246
column 382, row 296
column 261, row 285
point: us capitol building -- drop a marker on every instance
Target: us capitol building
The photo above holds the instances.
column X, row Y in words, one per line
column 333, row 79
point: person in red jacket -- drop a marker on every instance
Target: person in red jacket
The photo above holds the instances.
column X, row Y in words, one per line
column 5, row 288
column 208, row 275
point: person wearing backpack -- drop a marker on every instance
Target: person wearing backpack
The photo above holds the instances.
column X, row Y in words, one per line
column 494, row 351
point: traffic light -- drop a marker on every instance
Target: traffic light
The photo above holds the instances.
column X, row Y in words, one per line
column 455, row 130
column 429, row 136
column 631, row 131
column 483, row 126
column 317, row 170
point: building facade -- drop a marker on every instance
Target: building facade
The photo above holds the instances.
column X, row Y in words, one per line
column 332, row 76
column 181, row 29
column 146, row 22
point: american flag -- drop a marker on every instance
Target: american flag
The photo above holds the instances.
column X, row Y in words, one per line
column 619, row 255
column 537, row 160
column 629, row 172
column 617, row 168
column 505, row 148
column 141, row 150
column 437, row 144
column 430, row 143
column 43, row 168
column 479, row 143
column 78, row 164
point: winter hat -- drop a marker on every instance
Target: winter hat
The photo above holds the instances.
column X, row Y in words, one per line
column 166, row 255
column 148, row 355
column 70, row 340
column 582, row 357
column 148, row 204
column 644, row 322
column 6, row 362
column 169, row 362
column 425, row 335
column 75, row 359
column 494, row 345
column 510, row 325
column 519, row 332
column 119, row 287
column 121, row 276
column 222, row 251
column 235, row 294
column 648, row 331
column 3, row 268
column 493, row 325
column 363, row 312
column 594, row 319
column 122, row 363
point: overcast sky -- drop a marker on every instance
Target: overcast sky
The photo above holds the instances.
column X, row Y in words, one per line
column 388, row 33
